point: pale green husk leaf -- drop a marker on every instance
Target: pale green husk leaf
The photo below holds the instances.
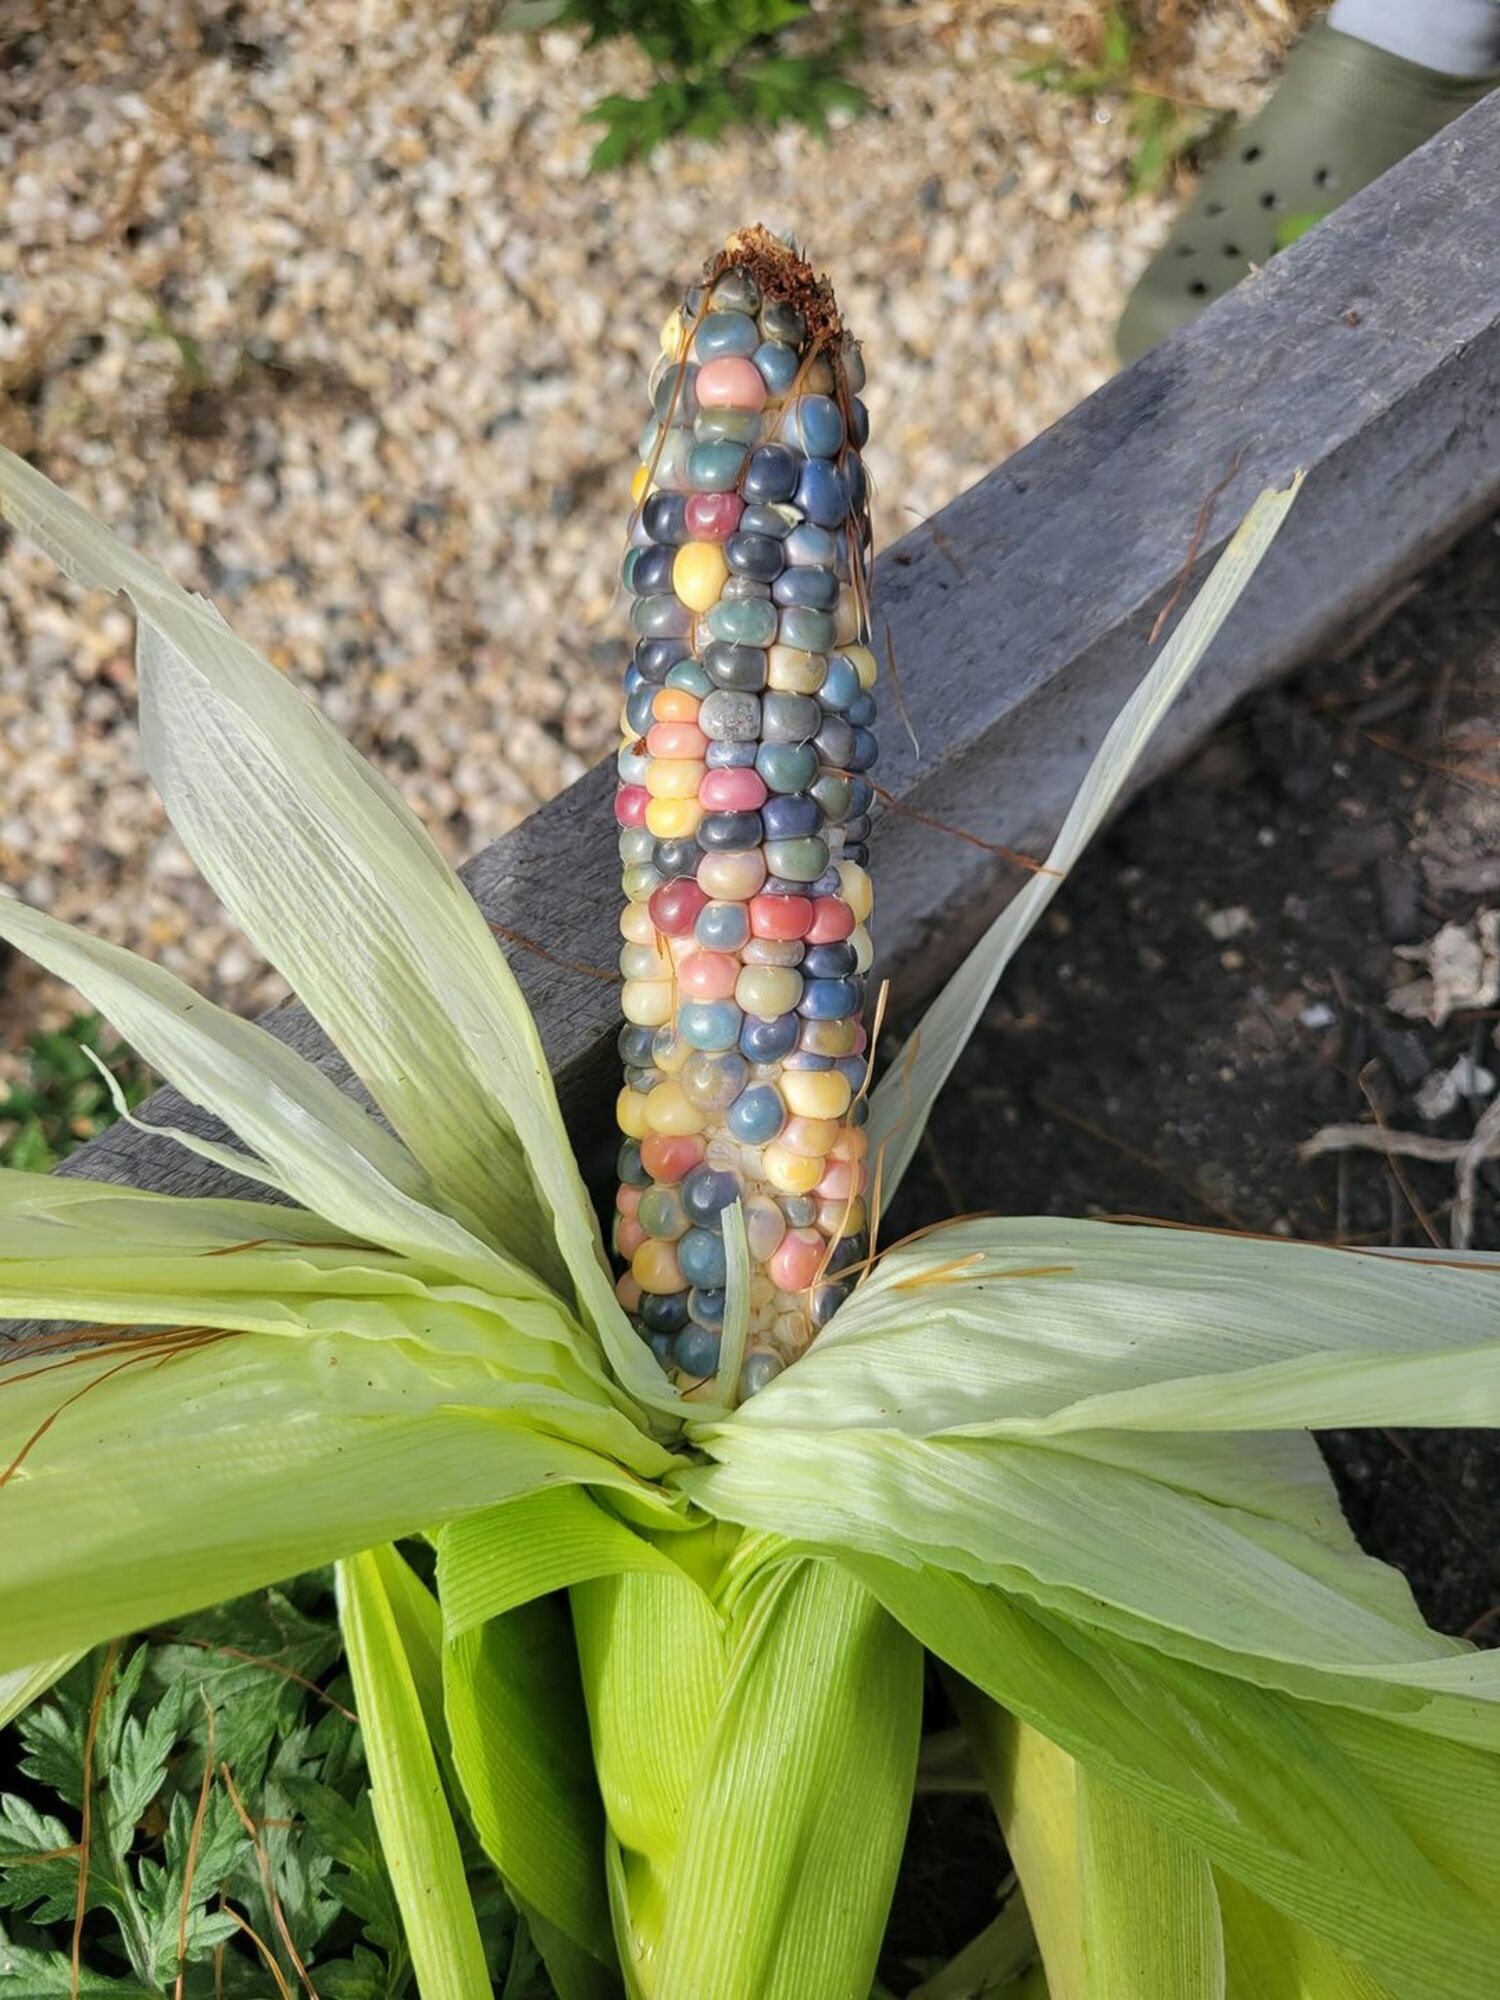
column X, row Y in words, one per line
column 417, row 1834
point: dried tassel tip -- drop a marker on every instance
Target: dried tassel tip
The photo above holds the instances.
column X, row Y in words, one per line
column 743, row 808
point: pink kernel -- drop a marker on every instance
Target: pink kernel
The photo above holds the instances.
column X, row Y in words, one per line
column 730, row 383
column 676, row 739
column 629, row 1236
column 708, row 975
column 628, row 1199
column 733, row 791
column 631, row 802
column 832, row 921
column 667, row 1158
column 838, row 1183
column 713, row 517
column 795, row 1260
column 628, row 1292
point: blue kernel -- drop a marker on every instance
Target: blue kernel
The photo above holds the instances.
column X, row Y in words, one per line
column 757, row 1114
column 758, row 556
column 777, row 522
column 789, row 718
column 716, row 468
column 722, row 926
column 709, row 1024
column 651, row 572
column 751, row 624
column 821, row 494
column 816, row 589
column 730, row 716
column 813, row 424
column 778, row 366
column 725, row 333
column 634, row 1045
column 700, row 1256
column 741, row 669
column 834, row 742
column 865, row 752
column 861, row 711
column 706, row 1193
column 628, row 1164
column 696, row 1351
column 730, row 756
column 853, row 1070
column 840, row 684
column 790, row 815
column 829, row 961
column 655, row 656
column 834, row 794
column 673, row 858
column 729, row 833
column 761, row 1368
column 663, row 1312
column 664, row 518
column 689, row 675
column 769, row 1041
column 812, row 547
column 661, row 1346
column 830, row 999
column 706, row 1304
column 661, row 617
column 771, row 474
column 808, row 631
column 638, row 710
column 861, row 795
column 787, row 767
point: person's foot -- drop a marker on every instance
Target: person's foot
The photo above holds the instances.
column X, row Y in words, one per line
column 1343, row 112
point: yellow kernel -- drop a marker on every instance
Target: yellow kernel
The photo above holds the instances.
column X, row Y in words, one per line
column 854, row 887
column 630, row 1113
column 863, row 662
column 790, row 671
column 673, row 819
column 640, row 484
column 674, row 777
column 674, row 336
column 655, row 1267
column 846, row 619
column 699, row 573
column 668, row 1110
column 790, row 1173
column 646, row 1003
column 672, row 1057
column 828, row 1038
column 815, row 1093
column 843, row 1218
column 768, row 990
column 636, row 925
column 809, row 1138
column 728, row 878
column 864, row 950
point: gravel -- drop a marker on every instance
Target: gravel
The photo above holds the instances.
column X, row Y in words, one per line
column 319, row 307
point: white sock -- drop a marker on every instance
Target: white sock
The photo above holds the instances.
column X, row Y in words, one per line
column 1454, row 37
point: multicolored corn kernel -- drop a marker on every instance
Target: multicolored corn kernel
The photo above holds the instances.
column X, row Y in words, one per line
column 743, row 807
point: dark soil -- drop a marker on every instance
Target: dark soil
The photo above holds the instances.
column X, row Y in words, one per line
column 1135, row 1063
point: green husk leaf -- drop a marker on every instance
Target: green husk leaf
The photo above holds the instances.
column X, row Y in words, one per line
column 1119, row 1549
column 902, row 1102
column 417, row 1834
column 740, row 1732
column 165, row 1472
column 1035, row 1326
column 306, row 1138
column 335, row 880
column 1329, row 1817
column 520, row 1740
column 1151, row 1928
column 1268, row 1957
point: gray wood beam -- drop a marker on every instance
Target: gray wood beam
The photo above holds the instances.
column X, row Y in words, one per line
column 1019, row 617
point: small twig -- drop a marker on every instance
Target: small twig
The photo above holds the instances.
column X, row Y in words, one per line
column 900, row 698
column 541, row 951
column 896, row 805
column 272, row 1899
column 1200, row 528
column 1465, row 1156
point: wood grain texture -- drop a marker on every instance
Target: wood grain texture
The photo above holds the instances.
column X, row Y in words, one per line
column 1020, row 616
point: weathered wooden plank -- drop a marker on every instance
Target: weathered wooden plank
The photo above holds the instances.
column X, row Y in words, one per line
column 1020, row 616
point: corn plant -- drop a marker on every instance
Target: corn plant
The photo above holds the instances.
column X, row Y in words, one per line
column 671, row 1674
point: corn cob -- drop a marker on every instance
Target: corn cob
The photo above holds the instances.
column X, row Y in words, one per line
column 743, row 806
